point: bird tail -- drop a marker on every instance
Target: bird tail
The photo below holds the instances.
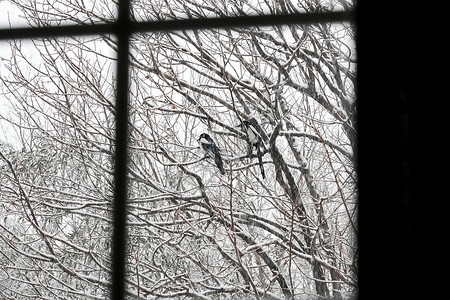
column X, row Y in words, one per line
column 219, row 163
column 261, row 167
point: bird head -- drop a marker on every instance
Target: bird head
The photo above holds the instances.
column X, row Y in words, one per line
column 204, row 137
column 244, row 125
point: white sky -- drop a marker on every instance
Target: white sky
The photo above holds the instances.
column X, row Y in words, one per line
column 10, row 16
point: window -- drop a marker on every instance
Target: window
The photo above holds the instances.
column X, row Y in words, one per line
column 238, row 76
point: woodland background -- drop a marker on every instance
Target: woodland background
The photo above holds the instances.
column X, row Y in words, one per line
column 192, row 232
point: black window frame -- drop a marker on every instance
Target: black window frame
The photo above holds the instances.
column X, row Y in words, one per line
column 122, row 28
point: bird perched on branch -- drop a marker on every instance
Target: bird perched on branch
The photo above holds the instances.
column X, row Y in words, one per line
column 211, row 150
column 256, row 141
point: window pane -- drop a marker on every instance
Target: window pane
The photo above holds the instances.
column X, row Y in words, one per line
column 56, row 179
column 41, row 13
column 196, row 231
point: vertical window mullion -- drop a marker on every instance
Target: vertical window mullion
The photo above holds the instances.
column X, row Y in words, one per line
column 122, row 30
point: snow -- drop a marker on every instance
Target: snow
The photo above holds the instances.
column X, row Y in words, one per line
column 191, row 232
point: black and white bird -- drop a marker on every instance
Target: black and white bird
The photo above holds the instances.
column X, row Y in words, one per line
column 256, row 141
column 211, row 150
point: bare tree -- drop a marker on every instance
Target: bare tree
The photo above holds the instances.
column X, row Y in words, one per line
column 193, row 232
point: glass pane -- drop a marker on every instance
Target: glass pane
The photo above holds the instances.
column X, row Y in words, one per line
column 42, row 13
column 56, row 162
column 150, row 10
column 273, row 212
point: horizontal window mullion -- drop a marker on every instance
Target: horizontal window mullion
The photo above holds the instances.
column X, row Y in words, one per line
column 183, row 24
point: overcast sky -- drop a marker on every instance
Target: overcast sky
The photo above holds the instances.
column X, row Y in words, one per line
column 10, row 16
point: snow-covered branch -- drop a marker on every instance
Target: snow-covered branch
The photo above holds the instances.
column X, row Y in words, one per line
column 267, row 213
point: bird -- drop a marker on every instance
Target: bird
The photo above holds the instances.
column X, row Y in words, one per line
column 211, row 150
column 256, row 141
